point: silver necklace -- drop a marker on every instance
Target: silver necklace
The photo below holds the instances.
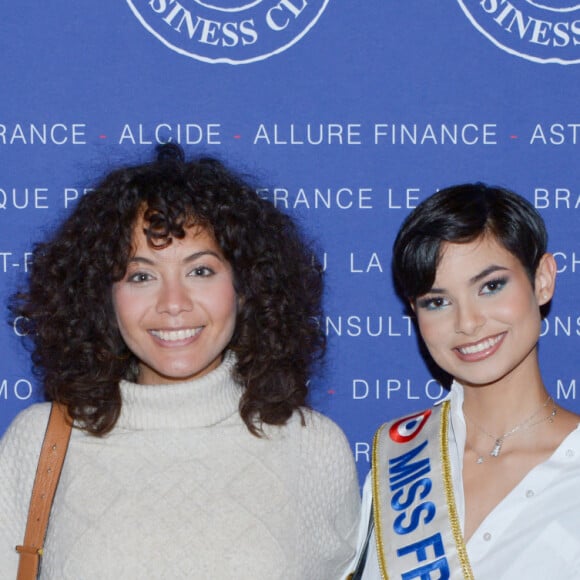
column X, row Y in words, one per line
column 524, row 425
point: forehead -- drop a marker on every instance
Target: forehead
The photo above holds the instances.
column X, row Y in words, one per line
column 465, row 260
column 196, row 237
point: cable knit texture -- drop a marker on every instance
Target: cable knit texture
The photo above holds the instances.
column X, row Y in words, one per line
column 181, row 489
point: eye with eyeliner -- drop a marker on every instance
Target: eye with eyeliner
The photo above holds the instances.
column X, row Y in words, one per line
column 432, row 302
column 494, row 285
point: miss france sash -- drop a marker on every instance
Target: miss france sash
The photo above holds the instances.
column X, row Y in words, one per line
column 416, row 524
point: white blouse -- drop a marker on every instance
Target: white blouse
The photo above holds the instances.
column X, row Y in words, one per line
column 533, row 533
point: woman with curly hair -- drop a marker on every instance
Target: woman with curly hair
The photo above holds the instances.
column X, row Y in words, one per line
column 176, row 314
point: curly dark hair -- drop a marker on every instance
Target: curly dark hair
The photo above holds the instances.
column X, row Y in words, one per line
column 77, row 349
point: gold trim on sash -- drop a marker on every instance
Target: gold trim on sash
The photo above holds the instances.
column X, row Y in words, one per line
column 447, row 525
column 450, row 495
column 377, row 510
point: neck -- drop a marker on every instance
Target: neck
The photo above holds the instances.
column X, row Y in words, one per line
column 499, row 409
column 479, row 436
column 208, row 400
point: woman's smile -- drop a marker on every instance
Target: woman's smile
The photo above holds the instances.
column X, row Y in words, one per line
column 480, row 350
column 481, row 319
column 176, row 307
column 174, row 336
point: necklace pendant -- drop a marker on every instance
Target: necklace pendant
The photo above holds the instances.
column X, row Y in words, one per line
column 479, row 460
column 496, row 448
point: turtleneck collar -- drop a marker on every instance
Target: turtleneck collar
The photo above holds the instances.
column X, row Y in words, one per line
column 197, row 403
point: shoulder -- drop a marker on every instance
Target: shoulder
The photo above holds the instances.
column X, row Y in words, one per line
column 321, row 440
column 315, row 436
column 314, row 426
column 26, row 431
column 318, row 422
column 33, row 417
column 20, row 446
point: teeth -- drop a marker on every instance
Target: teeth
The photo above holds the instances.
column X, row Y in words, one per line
column 170, row 335
column 480, row 346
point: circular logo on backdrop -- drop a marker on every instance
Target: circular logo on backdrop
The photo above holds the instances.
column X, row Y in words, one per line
column 545, row 31
column 229, row 31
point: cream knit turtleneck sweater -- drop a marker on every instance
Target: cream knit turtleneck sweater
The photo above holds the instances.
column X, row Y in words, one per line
column 181, row 489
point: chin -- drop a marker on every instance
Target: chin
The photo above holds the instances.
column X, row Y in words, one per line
column 480, row 381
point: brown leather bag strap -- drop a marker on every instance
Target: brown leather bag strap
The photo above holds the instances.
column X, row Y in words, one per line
column 48, row 471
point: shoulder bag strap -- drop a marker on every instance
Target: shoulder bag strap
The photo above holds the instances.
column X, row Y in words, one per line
column 48, row 471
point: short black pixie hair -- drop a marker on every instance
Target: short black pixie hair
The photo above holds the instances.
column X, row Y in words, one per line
column 462, row 214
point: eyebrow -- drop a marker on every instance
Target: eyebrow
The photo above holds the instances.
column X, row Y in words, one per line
column 186, row 260
column 477, row 278
column 486, row 272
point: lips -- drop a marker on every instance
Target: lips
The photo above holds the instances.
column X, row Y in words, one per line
column 481, row 349
column 176, row 335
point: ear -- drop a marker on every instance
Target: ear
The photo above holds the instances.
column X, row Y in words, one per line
column 545, row 279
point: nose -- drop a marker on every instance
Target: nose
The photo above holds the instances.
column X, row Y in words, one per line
column 468, row 318
column 174, row 298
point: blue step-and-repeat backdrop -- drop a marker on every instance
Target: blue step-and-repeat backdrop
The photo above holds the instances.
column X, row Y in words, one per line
column 349, row 113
